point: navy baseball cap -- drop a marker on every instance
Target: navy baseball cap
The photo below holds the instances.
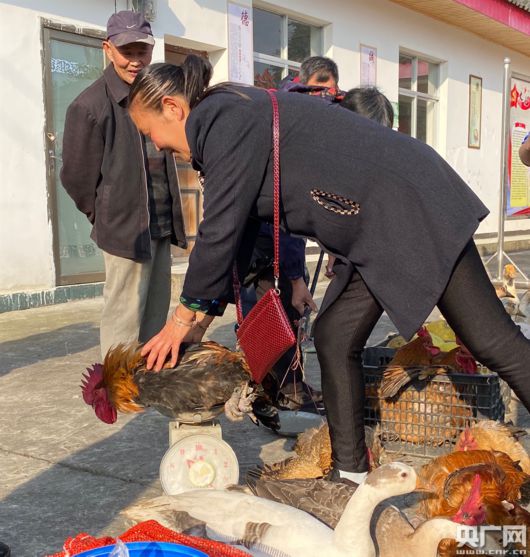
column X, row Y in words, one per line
column 127, row 27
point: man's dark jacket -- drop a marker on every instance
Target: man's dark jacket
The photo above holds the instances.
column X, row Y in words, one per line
column 104, row 172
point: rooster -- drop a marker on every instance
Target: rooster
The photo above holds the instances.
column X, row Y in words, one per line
column 491, row 435
column 459, row 359
column 450, row 478
column 417, row 352
column 207, row 379
column 497, row 478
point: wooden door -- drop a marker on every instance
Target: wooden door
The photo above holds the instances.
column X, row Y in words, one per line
column 189, row 184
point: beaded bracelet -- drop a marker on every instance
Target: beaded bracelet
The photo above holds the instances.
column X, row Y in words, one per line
column 179, row 321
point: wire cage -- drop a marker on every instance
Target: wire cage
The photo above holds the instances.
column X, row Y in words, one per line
column 426, row 417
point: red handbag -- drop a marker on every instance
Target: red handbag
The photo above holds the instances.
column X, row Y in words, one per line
column 266, row 334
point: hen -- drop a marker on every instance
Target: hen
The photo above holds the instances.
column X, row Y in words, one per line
column 313, row 456
column 415, row 409
column 207, row 379
column 491, row 435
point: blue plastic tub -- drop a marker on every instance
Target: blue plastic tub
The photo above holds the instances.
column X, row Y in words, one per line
column 147, row 549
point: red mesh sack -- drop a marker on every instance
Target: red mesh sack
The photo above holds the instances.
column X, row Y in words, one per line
column 149, row 531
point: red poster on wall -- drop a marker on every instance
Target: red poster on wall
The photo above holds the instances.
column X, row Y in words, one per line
column 518, row 187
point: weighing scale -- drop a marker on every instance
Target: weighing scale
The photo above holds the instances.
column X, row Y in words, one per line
column 197, row 458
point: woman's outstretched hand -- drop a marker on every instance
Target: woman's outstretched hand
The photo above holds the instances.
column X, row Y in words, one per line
column 167, row 340
column 185, row 326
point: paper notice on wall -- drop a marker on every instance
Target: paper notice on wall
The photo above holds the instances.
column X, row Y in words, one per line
column 519, row 172
column 368, row 66
column 240, row 49
column 518, row 187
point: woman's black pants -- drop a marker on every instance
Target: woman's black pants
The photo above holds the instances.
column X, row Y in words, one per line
column 471, row 308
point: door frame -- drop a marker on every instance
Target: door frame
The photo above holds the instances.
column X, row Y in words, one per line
column 74, row 35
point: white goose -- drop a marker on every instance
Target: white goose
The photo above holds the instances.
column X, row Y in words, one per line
column 281, row 530
column 397, row 537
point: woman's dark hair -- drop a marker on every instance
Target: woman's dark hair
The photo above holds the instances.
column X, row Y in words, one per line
column 369, row 102
column 319, row 67
column 158, row 80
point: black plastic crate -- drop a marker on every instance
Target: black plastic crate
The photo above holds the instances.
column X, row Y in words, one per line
column 426, row 417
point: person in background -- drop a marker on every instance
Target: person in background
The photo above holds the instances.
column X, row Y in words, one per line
column 319, row 76
column 127, row 189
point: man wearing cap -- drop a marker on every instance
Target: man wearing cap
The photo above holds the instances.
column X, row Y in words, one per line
column 126, row 188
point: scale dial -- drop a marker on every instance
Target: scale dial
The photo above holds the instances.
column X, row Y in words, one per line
column 198, row 461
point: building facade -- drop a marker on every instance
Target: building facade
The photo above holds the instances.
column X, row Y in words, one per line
column 441, row 63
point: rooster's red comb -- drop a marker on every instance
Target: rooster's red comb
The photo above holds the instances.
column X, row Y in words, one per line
column 91, row 381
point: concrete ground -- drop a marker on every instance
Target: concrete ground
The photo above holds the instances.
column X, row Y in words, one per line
column 62, row 470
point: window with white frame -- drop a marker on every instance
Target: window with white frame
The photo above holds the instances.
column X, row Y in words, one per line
column 418, row 97
column 280, row 45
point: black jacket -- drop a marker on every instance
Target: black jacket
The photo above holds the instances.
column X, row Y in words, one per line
column 415, row 213
column 104, row 172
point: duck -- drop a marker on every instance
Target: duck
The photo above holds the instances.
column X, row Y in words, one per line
column 278, row 529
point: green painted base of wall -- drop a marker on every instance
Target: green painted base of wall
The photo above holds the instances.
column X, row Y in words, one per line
column 59, row 295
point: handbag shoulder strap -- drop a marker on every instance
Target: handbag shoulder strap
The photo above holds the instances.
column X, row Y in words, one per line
column 276, row 179
column 276, row 197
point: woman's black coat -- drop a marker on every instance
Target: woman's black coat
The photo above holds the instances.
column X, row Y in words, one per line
column 415, row 213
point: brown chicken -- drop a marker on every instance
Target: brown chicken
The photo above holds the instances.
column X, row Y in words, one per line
column 418, row 352
column 413, row 408
column 453, row 477
column 207, row 379
column 450, row 479
column 313, row 456
column 459, row 359
column 491, row 435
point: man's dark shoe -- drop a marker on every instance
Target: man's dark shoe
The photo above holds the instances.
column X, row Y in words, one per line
column 300, row 396
column 266, row 414
column 4, row 550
